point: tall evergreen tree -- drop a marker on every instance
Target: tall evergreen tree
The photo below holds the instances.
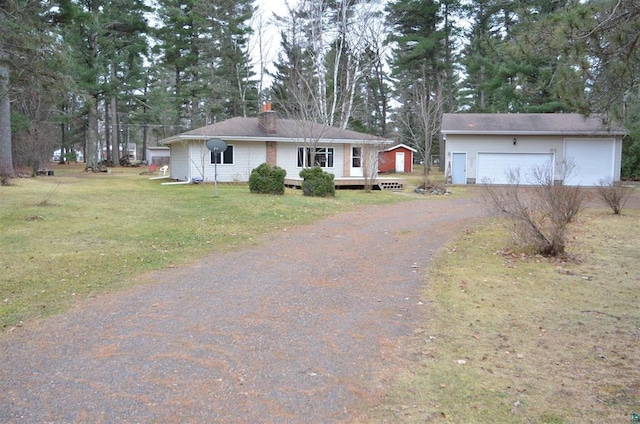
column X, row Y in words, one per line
column 233, row 84
column 31, row 63
column 515, row 57
column 124, row 49
column 203, row 45
column 423, row 69
column 180, row 37
column 82, row 31
column 604, row 38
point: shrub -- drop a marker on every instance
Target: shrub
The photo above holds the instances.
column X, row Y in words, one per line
column 540, row 214
column 614, row 195
column 317, row 182
column 266, row 179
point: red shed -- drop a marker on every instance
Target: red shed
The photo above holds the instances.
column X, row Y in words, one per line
column 398, row 158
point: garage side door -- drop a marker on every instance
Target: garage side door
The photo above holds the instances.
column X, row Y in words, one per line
column 593, row 160
column 493, row 168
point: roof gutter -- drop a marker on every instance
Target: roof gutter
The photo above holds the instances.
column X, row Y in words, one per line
column 176, row 139
column 573, row 133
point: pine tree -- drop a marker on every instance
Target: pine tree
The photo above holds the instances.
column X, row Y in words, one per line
column 423, row 69
column 515, row 57
column 203, row 47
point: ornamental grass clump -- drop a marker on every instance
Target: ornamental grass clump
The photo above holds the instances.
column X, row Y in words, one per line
column 266, row 179
column 317, row 182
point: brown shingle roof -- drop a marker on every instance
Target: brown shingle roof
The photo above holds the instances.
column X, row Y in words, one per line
column 527, row 123
column 287, row 129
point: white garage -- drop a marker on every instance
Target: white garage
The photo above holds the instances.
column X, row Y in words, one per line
column 484, row 148
column 497, row 168
column 593, row 159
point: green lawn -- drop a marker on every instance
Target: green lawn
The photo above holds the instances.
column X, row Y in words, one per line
column 505, row 338
column 77, row 234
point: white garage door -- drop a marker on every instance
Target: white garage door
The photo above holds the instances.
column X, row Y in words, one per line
column 593, row 160
column 494, row 168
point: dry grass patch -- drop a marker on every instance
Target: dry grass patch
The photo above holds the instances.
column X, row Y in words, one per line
column 520, row 339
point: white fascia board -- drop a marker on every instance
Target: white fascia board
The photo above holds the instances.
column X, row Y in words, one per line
column 563, row 133
column 353, row 141
column 183, row 138
column 401, row 145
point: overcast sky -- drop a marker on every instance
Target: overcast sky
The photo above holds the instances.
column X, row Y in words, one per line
column 271, row 34
column 273, row 5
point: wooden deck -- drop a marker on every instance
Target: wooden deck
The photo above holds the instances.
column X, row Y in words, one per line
column 381, row 183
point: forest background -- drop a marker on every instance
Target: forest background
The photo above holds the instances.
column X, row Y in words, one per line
column 94, row 75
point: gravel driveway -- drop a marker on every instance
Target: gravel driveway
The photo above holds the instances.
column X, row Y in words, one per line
column 299, row 329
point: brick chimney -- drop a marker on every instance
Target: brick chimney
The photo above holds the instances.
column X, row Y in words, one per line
column 267, row 119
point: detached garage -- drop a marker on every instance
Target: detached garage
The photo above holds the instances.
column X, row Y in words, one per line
column 488, row 148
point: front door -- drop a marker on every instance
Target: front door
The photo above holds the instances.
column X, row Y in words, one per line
column 459, row 168
column 399, row 161
column 356, row 162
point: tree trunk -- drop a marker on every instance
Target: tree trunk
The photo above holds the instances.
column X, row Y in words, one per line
column 6, row 157
column 115, row 145
column 145, row 124
column 63, row 143
column 107, row 132
column 92, row 134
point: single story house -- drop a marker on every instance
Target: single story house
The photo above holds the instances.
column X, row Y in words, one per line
column 287, row 143
column 483, row 148
column 158, row 155
column 398, row 158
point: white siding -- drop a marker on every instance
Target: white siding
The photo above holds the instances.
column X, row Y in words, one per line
column 193, row 160
column 179, row 167
column 591, row 155
column 473, row 145
column 246, row 156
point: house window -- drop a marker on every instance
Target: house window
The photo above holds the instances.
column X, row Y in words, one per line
column 316, row 156
column 225, row 158
column 356, row 157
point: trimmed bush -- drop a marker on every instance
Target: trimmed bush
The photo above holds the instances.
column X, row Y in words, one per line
column 317, row 182
column 267, row 180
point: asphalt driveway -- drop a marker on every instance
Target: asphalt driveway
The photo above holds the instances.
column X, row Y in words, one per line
column 303, row 328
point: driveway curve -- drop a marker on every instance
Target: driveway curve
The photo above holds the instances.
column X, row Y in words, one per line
column 299, row 329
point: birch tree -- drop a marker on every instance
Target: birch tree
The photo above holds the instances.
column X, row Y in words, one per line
column 326, row 48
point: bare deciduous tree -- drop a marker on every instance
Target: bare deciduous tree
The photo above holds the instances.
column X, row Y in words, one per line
column 370, row 153
column 421, row 120
column 37, row 136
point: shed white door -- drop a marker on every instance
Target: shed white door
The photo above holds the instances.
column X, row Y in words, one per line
column 494, row 168
column 399, row 161
column 593, row 160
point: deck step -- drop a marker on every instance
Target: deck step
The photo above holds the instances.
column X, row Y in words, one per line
column 394, row 186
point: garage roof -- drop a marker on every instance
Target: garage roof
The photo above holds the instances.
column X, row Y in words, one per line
column 528, row 123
